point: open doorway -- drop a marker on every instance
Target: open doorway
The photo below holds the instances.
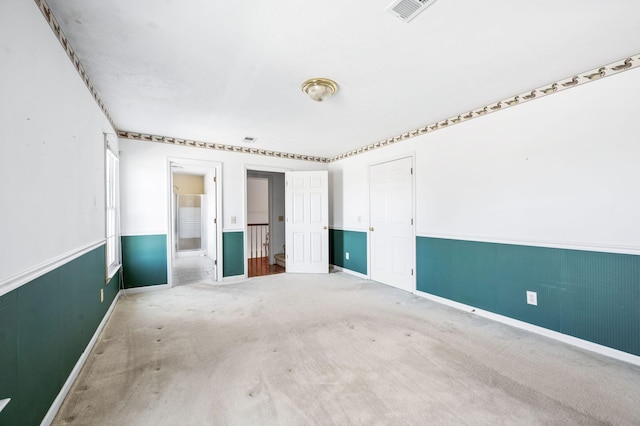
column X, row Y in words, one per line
column 194, row 234
column 265, row 223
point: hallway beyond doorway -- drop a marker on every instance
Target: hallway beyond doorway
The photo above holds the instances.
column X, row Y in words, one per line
column 259, row 266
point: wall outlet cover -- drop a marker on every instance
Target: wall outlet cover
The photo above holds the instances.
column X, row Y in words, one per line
column 346, row 255
column 532, row 298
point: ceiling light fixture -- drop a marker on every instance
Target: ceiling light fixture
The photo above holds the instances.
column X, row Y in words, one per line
column 319, row 89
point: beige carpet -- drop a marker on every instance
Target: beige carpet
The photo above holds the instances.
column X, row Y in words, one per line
column 333, row 349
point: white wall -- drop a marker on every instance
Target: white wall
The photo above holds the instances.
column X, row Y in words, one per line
column 257, row 200
column 188, row 184
column 558, row 171
column 52, row 166
column 144, row 177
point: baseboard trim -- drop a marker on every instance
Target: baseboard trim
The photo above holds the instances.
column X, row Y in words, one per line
column 234, row 278
column 3, row 403
column 145, row 289
column 348, row 271
column 15, row 281
column 57, row 403
column 565, row 338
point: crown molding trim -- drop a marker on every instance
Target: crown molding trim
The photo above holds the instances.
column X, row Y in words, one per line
column 537, row 93
column 217, row 146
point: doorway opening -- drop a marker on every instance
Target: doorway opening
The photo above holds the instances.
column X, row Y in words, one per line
column 265, row 239
column 193, row 215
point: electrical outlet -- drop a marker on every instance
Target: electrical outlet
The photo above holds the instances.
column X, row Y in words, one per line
column 346, row 255
column 233, row 220
column 101, row 295
column 532, row 298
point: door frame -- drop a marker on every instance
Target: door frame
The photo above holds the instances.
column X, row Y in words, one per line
column 199, row 166
column 411, row 155
column 258, row 168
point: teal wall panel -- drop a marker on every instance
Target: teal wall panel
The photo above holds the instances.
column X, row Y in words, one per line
column 9, row 358
column 233, row 253
column 144, row 260
column 590, row 295
column 352, row 242
column 45, row 326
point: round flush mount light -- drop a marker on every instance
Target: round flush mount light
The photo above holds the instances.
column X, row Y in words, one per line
column 319, row 89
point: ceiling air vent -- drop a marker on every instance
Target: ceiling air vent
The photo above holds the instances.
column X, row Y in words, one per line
column 249, row 139
column 408, row 9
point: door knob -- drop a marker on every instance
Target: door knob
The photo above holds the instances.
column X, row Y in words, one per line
column 371, row 229
column 325, row 227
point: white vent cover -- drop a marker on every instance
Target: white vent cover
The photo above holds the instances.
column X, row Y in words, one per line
column 249, row 139
column 408, row 9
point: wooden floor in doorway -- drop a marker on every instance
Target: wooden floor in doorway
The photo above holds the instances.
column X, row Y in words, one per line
column 259, row 266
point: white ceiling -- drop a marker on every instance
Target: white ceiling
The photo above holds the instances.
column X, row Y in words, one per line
column 218, row 71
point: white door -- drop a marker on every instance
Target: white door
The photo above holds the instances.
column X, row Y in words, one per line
column 307, row 215
column 391, row 229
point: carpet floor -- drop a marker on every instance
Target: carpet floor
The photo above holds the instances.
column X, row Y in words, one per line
column 333, row 349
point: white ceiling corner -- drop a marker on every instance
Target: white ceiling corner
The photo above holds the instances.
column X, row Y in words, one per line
column 215, row 72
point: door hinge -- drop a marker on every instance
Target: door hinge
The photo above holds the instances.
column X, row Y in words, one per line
column 412, row 170
column 215, row 262
column 215, row 221
column 412, row 272
column 412, row 221
column 215, row 179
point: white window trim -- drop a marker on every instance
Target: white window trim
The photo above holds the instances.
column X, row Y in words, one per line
column 113, row 262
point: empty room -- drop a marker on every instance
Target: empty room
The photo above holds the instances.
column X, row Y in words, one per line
column 342, row 212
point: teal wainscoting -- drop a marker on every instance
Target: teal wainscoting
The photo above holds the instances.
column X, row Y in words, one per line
column 45, row 326
column 590, row 295
column 233, row 253
column 144, row 260
column 352, row 242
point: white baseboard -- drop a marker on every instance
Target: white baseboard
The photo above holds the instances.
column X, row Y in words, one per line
column 348, row 271
column 565, row 338
column 145, row 289
column 233, row 278
column 3, row 403
column 57, row 403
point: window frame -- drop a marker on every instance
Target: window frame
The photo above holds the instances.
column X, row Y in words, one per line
column 113, row 260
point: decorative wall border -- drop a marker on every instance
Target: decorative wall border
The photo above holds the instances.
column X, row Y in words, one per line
column 539, row 92
column 217, row 146
column 62, row 38
column 548, row 89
